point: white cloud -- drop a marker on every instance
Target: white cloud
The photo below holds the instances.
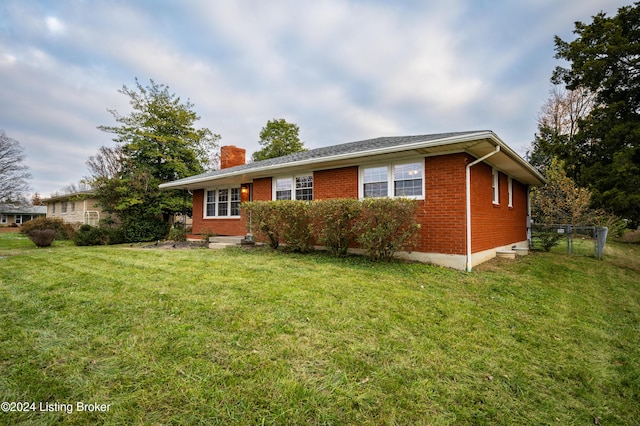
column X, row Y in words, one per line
column 54, row 25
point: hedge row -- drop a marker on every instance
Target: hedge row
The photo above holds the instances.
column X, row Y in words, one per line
column 381, row 226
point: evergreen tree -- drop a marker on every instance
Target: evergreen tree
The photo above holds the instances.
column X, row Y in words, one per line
column 605, row 153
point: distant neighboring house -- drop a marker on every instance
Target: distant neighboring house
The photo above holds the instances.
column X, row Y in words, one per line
column 471, row 189
column 79, row 207
column 17, row 214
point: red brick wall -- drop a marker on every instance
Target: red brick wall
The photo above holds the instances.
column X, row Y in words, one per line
column 335, row 183
column 494, row 225
column 442, row 214
column 218, row 226
column 262, row 190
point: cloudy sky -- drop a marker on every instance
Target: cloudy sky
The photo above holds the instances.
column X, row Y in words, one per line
column 343, row 70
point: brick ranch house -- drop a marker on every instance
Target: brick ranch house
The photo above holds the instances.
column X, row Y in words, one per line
column 465, row 184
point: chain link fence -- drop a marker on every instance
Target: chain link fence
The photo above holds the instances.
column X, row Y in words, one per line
column 576, row 240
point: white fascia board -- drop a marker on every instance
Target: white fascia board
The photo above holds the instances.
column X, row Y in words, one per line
column 514, row 156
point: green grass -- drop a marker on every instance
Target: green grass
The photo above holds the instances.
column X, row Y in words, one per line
column 258, row 337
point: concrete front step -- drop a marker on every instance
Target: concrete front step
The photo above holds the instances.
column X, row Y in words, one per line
column 223, row 242
column 226, row 240
column 506, row 254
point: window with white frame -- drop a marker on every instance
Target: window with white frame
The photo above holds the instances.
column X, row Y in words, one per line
column 222, row 202
column 495, row 185
column 375, row 182
column 304, row 188
column 510, row 191
column 18, row 219
column 63, row 207
column 293, row 188
column 283, row 189
column 234, row 202
column 3, row 218
column 395, row 180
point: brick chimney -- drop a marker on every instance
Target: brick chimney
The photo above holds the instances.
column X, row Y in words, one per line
column 231, row 156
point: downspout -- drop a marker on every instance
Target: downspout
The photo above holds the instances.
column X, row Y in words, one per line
column 468, row 196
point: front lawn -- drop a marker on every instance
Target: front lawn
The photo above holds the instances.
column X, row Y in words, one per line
column 258, row 337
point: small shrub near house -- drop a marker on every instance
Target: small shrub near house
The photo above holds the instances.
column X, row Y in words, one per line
column 387, row 226
column 294, row 221
column 42, row 237
column 263, row 221
column 63, row 231
column 545, row 238
column 333, row 223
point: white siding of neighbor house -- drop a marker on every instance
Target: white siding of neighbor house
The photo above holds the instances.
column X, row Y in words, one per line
column 82, row 211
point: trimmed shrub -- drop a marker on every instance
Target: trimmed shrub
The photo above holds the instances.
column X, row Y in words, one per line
column 380, row 226
column 283, row 221
column 63, row 231
column 141, row 229
column 333, row 223
column 42, row 237
column 262, row 221
column 386, row 226
column 93, row 236
column 294, row 221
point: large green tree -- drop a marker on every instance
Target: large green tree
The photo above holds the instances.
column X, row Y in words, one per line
column 156, row 142
column 279, row 138
column 605, row 154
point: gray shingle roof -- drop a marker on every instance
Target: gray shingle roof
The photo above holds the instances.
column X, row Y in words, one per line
column 22, row 209
column 327, row 152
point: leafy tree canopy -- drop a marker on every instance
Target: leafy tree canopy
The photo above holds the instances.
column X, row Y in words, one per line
column 278, row 138
column 157, row 142
column 560, row 201
column 605, row 155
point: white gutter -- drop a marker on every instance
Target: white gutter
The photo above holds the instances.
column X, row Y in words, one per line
column 468, row 196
